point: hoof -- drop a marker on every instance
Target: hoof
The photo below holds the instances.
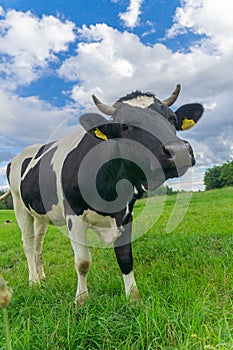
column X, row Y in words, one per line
column 134, row 295
column 34, row 283
column 34, row 279
column 81, row 298
column 42, row 276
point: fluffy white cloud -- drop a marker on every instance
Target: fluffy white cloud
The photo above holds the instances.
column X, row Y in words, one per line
column 211, row 18
column 3, row 180
column 31, row 120
column 131, row 16
column 114, row 63
column 2, row 170
column 28, row 43
column 2, row 12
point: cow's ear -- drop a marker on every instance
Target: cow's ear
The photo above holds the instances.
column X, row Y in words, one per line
column 96, row 125
column 188, row 115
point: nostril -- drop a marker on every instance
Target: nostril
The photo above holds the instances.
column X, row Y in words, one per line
column 168, row 152
column 188, row 146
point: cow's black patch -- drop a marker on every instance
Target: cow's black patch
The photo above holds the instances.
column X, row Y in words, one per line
column 70, row 224
column 113, row 172
column 24, row 165
column 74, row 202
column 123, row 248
column 192, row 111
column 107, row 178
column 38, row 188
column 8, row 170
column 43, row 149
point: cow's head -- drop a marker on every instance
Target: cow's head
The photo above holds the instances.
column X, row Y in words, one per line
column 147, row 129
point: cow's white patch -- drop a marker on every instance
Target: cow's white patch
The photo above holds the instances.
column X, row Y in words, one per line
column 129, row 282
column 105, row 226
column 144, row 189
column 77, row 232
column 127, row 212
column 140, row 101
column 53, row 217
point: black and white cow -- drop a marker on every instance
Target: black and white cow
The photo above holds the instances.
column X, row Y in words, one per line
column 75, row 181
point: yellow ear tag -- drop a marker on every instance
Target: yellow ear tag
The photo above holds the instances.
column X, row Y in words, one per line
column 187, row 124
column 100, row 135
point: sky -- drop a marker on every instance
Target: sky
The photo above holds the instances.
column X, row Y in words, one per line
column 55, row 54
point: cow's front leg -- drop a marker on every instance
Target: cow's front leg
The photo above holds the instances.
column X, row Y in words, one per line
column 123, row 251
column 77, row 233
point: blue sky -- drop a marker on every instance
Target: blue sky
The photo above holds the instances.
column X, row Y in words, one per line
column 154, row 21
column 55, row 54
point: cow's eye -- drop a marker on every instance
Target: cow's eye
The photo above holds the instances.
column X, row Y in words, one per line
column 125, row 127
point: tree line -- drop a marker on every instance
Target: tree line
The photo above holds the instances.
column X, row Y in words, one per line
column 219, row 176
column 7, row 203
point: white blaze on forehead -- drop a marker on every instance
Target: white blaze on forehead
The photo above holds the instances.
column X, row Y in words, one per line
column 140, row 101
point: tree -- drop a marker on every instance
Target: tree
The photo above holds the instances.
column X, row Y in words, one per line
column 226, row 176
column 219, row 176
column 7, row 203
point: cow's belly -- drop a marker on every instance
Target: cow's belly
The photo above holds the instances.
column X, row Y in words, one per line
column 104, row 226
column 53, row 217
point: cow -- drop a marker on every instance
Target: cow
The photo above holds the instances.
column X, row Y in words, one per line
column 92, row 178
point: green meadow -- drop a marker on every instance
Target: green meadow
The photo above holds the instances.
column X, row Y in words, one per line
column 185, row 278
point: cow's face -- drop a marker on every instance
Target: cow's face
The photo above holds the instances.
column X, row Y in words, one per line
column 156, row 132
column 145, row 134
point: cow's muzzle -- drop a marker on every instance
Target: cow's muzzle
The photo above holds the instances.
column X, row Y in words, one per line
column 176, row 157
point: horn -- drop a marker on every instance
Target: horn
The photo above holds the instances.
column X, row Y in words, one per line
column 108, row 110
column 170, row 100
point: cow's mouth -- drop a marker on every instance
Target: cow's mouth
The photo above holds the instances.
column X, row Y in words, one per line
column 176, row 172
column 161, row 176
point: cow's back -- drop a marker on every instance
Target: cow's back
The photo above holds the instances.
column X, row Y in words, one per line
column 35, row 177
column 18, row 165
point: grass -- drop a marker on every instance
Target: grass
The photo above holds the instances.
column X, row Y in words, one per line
column 185, row 278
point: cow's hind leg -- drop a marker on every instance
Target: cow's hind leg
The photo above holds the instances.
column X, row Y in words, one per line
column 77, row 233
column 40, row 228
column 26, row 225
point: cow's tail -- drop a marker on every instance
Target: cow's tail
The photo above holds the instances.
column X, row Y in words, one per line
column 5, row 196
